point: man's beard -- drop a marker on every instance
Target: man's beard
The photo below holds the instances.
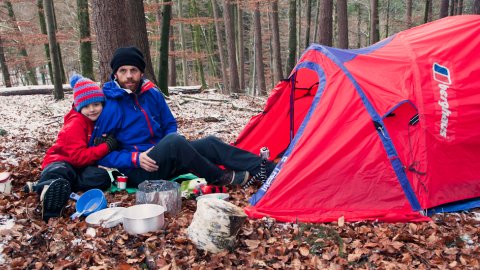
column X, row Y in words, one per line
column 131, row 88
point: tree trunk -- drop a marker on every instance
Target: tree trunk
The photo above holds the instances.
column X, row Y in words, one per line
column 52, row 40
column 408, row 14
column 444, row 9
column 172, row 74
column 136, row 20
column 277, row 58
column 209, row 47
column 240, row 47
column 460, row 7
column 374, row 29
column 308, row 19
column 299, row 29
column 120, row 23
column 317, row 18
column 43, row 29
column 220, row 45
column 359, row 24
column 196, row 42
column 164, row 42
column 292, row 36
column 232, row 61
column 452, row 7
column 62, row 68
column 86, row 59
column 476, row 7
column 23, row 51
column 428, row 11
column 326, row 23
column 342, row 24
column 387, row 23
column 3, row 63
column 258, row 51
column 182, row 43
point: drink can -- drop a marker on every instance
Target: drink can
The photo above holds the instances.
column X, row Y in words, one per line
column 122, row 182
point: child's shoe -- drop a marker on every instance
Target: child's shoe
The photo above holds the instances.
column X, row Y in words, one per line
column 54, row 197
column 30, row 187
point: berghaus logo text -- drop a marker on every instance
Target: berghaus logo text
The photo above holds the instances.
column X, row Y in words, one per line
column 442, row 75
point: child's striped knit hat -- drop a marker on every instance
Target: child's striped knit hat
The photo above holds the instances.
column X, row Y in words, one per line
column 85, row 91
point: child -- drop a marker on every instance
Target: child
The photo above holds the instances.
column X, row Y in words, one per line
column 68, row 164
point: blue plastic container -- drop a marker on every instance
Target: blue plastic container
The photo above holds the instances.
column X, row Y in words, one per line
column 90, row 202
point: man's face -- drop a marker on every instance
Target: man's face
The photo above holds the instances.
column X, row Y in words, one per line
column 129, row 77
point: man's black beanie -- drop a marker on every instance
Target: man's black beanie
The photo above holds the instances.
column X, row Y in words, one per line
column 130, row 56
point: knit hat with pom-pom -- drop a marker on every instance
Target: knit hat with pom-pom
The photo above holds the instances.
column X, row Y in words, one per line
column 85, row 92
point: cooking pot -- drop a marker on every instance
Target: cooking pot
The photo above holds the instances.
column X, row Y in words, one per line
column 161, row 192
column 143, row 218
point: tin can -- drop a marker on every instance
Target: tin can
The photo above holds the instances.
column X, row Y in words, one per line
column 122, row 182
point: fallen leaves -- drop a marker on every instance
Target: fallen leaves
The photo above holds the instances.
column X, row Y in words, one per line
column 451, row 241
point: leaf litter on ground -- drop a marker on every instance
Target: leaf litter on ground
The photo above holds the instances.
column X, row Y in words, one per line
column 30, row 125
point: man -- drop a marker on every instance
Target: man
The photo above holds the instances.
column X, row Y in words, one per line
column 138, row 116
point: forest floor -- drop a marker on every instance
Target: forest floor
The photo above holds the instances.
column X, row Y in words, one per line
column 29, row 125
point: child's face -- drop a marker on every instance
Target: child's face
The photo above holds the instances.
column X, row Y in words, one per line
column 92, row 111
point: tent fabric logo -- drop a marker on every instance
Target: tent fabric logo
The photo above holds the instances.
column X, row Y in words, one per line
column 441, row 74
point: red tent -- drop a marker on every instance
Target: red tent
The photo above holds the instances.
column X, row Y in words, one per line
column 380, row 133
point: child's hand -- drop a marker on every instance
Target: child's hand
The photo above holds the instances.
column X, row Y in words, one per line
column 110, row 140
column 112, row 143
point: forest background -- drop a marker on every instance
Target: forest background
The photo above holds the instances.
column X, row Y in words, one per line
column 241, row 47
column 235, row 46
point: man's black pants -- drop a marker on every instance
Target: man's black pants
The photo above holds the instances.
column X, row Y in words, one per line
column 176, row 155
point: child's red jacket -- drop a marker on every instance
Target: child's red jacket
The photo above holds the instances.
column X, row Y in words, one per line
column 72, row 143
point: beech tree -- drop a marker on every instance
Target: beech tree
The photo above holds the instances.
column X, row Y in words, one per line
column 43, row 29
column 374, row 27
column 86, row 59
column 427, row 17
column 277, row 59
column 54, row 50
column 292, row 36
column 164, row 48
column 230, row 36
column 342, row 22
column 23, row 51
column 259, row 67
column 120, row 23
column 3, row 64
column 220, row 44
column 325, row 25
column 444, row 9
column 408, row 14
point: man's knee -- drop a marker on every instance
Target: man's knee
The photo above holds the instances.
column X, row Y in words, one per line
column 173, row 138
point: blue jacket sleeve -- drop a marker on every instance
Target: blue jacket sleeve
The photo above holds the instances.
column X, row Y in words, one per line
column 109, row 121
column 168, row 122
column 121, row 160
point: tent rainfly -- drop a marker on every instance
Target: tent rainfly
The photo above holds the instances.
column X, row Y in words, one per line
column 390, row 132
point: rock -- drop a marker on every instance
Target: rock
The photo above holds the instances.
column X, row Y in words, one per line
column 215, row 225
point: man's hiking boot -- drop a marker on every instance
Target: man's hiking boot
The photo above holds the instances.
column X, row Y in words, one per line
column 233, row 178
column 260, row 178
column 54, row 197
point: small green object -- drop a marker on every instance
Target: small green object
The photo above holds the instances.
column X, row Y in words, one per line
column 183, row 177
column 3, row 132
column 113, row 189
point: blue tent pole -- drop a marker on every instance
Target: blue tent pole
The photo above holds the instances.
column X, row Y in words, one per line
column 292, row 106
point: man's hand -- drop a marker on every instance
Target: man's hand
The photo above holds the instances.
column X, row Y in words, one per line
column 147, row 163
